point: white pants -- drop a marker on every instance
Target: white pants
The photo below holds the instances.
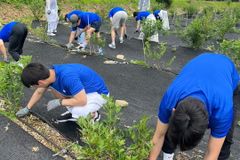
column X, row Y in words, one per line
column 52, row 27
column 94, row 102
column 52, row 20
column 81, row 37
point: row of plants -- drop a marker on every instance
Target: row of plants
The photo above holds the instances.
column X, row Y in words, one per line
column 109, row 140
column 11, row 88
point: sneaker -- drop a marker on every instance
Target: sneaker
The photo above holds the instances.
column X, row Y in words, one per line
column 51, row 34
column 96, row 117
column 6, row 60
column 55, row 31
column 100, row 51
column 65, row 117
column 113, row 46
column 121, row 40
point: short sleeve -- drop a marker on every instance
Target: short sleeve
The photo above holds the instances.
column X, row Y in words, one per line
column 165, row 108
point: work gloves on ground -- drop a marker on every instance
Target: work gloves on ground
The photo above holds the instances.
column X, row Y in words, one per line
column 53, row 104
column 22, row 112
column 69, row 45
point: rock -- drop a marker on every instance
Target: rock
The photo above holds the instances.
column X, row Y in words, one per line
column 121, row 103
column 120, row 56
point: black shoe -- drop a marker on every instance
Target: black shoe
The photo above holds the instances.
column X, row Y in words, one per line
column 66, row 118
column 96, row 117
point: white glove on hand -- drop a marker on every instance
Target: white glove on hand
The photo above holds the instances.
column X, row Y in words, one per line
column 69, row 45
column 53, row 104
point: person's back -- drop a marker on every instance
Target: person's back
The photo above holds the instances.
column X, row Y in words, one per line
column 6, row 31
column 71, row 74
column 211, row 78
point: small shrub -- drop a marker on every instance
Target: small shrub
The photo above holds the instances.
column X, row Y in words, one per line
column 150, row 27
column 37, row 8
column 224, row 24
column 11, row 88
column 190, row 10
column 232, row 49
column 199, row 31
column 167, row 3
column 105, row 141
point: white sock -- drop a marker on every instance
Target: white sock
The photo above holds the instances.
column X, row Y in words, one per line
column 168, row 156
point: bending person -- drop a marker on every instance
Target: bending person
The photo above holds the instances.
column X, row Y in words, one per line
column 118, row 17
column 201, row 97
column 15, row 33
column 76, row 87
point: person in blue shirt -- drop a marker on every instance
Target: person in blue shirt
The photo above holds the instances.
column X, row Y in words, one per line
column 15, row 33
column 140, row 16
column 145, row 15
column 76, row 31
column 163, row 16
column 118, row 17
column 90, row 22
column 201, row 97
column 76, row 86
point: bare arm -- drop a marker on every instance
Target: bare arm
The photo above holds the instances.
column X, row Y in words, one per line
column 37, row 95
column 214, row 148
column 3, row 49
column 158, row 140
column 79, row 99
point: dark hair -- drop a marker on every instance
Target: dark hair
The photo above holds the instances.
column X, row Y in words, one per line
column 135, row 14
column 34, row 72
column 66, row 18
column 188, row 124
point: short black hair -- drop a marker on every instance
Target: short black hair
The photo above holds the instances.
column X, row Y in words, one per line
column 188, row 124
column 34, row 72
column 135, row 14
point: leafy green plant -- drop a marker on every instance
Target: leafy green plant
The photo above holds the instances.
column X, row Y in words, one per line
column 167, row 3
column 150, row 27
column 96, row 42
column 199, row 31
column 224, row 24
column 190, row 10
column 11, row 88
column 106, row 141
column 232, row 49
column 37, row 8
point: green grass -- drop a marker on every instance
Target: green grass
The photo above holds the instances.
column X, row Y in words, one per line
column 8, row 115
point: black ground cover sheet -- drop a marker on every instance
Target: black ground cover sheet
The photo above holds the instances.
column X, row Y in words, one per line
column 141, row 87
column 16, row 144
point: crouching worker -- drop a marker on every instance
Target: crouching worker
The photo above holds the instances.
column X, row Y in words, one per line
column 15, row 33
column 202, row 96
column 75, row 86
column 148, row 17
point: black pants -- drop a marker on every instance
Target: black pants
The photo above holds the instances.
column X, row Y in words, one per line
column 225, row 150
column 16, row 40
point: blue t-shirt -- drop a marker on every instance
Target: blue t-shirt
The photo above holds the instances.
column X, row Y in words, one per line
column 211, row 78
column 142, row 15
column 73, row 78
column 78, row 13
column 88, row 18
column 156, row 14
column 114, row 10
column 6, row 31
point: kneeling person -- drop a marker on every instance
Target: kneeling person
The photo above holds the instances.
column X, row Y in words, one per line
column 75, row 86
